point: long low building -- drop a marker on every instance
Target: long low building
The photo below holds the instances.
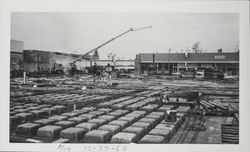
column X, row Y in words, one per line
column 149, row 63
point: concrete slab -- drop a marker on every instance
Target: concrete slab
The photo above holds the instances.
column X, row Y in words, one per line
column 44, row 122
column 61, row 140
column 150, row 107
column 106, row 110
column 49, row 132
column 100, row 122
column 113, row 129
column 140, row 132
column 122, row 123
column 88, row 109
column 161, row 132
column 130, row 120
column 107, row 117
column 124, row 137
column 116, row 114
column 33, row 108
column 39, row 113
column 149, row 120
column 158, row 118
column 58, row 118
column 152, row 139
column 21, row 110
column 145, row 125
column 98, row 136
column 98, row 113
column 134, row 115
column 27, row 129
column 15, row 120
column 73, row 134
column 78, row 120
column 122, row 111
column 65, row 124
column 158, row 113
column 70, row 114
column 50, row 111
column 88, row 116
column 26, row 116
column 166, row 127
column 87, row 126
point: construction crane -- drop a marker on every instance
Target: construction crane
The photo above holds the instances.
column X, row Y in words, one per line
column 73, row 66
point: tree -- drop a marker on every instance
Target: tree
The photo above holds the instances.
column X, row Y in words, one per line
column 196, row 47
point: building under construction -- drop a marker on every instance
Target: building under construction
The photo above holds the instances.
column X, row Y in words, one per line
column 139, row 108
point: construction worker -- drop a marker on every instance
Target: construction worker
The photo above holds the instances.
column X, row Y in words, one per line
column 109, row 72
column 94, row 72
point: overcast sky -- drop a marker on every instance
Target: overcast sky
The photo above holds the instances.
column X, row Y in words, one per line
column 67, row 32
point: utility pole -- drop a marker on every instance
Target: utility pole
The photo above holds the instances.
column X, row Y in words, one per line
column 169, row 60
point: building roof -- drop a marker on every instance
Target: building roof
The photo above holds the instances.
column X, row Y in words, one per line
column 227, row 57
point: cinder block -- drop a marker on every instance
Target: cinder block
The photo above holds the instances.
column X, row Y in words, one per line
column 152, row 139
column 49, row 132
column 58, row 118
column 107, row 117
column 88, row 116
column 122, row 123
column 70, row 114
column 140, row 132
column 145, row 125
column 124, row 137
column 44, row 122
column 98, row 121
column 161, row 132
column 97, row 136
column 113, row 129
column 73, row 134
column 65, row 124
column 130, row 120
column 87, row 126
column 78, row 120
column 27, row 129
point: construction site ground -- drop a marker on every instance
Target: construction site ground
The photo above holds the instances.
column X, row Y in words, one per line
column 130, row 111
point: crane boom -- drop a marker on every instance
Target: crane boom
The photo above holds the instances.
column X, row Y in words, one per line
column 112, row 39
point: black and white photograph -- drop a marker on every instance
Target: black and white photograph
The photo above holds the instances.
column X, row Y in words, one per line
column 105, row 78
column 124, row 76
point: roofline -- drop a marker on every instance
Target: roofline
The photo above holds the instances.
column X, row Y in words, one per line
column 190, row 62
